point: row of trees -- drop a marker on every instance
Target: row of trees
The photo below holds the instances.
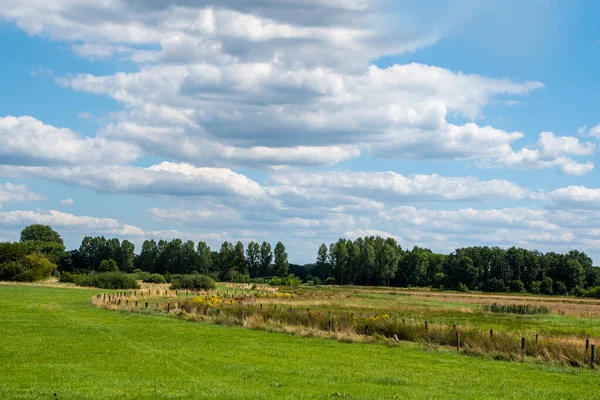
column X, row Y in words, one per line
column 231, row 262
column 374, row 260
column 364, row 261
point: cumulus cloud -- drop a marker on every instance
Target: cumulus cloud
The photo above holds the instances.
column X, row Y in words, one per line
column 166, row 178
column 575, row 196
column 27, row 141
column 13, row 193
column 391, row 186
column 67, row 202
column 70, row 222
column 551, row 152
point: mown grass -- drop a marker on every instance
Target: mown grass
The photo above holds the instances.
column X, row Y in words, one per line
column 55, row 341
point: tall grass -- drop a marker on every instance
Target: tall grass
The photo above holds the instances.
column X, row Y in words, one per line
column 351, row 326
column 521, row 309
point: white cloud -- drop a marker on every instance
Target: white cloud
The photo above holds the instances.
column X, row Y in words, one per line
column 69, row 222
column 575, row 196
column 551, row 152
column 162, row 179
column 67, row 202
column 27, row 141
column 390, row 186
column 13, row 193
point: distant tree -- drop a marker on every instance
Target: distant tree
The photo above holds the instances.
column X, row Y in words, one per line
column 281, row 260
column 239, row 259
column 41, row 233
column 108, row 266
column 253, row 259
column 148, row 256
column 266, row 258
column 368, row 261
column 322, row 264
column 126, row 256
column 204, row 257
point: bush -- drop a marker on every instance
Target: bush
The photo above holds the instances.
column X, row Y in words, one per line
column 329, row 281
column 155, row 278
column 289, row 280
column 516, row 286
column 192, row 282
column 68, row 277
column 593, row 292
column 108, row 266
column 546, row 287
column 142, row 275
column 535, row 287
column 495, row 285
column 560, row 288
column 111, row 280
column 31, row 268
column 462, row 287
column 522, row 309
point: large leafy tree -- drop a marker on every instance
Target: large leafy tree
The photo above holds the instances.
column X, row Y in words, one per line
column 281, row 265
column 204, row 258
column 253, row 258
column 40, row 233
column 266, row 258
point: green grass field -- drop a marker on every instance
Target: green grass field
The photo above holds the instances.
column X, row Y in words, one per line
column 54, row 341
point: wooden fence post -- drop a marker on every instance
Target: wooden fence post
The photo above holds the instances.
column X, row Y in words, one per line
column 457, row 341
column 426, row 327
column 536, row 337
column 587, row 345
column 491, row 333
column 403, row 321
column 329, row 323
column 146, row 304
column 593, row 356
column 523, row 345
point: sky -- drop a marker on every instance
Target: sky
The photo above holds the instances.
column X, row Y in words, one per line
column 442, row 124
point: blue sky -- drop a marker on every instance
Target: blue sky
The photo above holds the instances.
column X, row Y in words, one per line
column 446, row 124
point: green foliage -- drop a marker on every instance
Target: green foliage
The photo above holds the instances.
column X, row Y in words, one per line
column 329, row 281
column 154, row 278
column 521, row 309
column 593, row 292
column 110, row 280
column 108, row 266
column 31, row 268
column 462, row 287
column 516, row 286
column 68, row 277
column 40, row 233
column 192, row 282
column 560, row 288
column 289, row 280
column 547, row 286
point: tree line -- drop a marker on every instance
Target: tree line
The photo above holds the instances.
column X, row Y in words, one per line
column 364, row 261
column 230, row 263
column 378, row 261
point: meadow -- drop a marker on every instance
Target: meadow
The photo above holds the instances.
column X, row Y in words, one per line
column 57, row 344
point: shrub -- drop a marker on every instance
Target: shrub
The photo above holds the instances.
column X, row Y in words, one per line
column 522, row 309
column 192, row 282
column 155, row 278
column 111, row 280
column 593, row 292
column 535, row 287
column 329, row 281
column 560, row 288
column 462, row 287
column 68, row 277
column 108, row 266
column 546, row 287
column 516, row 286
column 31, row 268
column 289, row 280
column 309, row 278
column 495, row 285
